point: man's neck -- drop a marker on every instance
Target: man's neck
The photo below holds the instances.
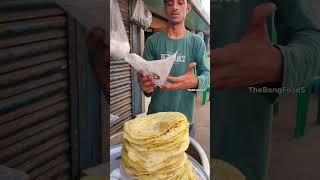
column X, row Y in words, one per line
column 177, row 31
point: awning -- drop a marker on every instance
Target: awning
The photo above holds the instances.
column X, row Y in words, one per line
column 197, row 19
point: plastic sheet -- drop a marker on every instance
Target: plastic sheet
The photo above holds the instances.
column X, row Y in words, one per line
column 160, row 69
column 119, row 43
column 141, row 17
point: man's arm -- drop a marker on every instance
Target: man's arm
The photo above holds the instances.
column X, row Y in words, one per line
column 189, row 80
column 96, row 44
column 255, row 61
column 203, row 71
column 298, row 28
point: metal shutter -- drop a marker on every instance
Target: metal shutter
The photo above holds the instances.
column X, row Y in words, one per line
column 121, row 80
column 34, row 108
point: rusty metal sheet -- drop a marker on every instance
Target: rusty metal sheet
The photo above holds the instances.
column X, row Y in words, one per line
column 44, row 157
column 33, row 118
column 34, row 107
column 34, row 129
column 34, row 88
column 32, row 61
column 56, row 171
column 48, row 166
column 34, row 83
column 23, row 14
column 25, row 51
column 19, row 159
column 16, row 149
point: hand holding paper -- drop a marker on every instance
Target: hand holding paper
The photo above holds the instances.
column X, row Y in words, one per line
column 159, row 69
column 147, row 83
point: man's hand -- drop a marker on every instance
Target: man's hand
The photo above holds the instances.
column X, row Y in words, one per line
column 252, row 61
column 146, row 82
column 187, row 81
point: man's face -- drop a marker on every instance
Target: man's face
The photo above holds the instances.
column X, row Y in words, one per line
column 177, row 10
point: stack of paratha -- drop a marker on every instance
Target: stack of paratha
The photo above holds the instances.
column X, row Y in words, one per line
column 154, row 147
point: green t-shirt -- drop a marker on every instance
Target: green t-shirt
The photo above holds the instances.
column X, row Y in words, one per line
column 191, row 48
column 241, row 121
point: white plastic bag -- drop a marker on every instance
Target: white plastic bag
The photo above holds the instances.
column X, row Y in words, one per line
column 141, row 17
column 119, row 43
column 160, row 69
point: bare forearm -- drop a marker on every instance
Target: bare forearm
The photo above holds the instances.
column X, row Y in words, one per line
column 101, row 67
column 97, row 45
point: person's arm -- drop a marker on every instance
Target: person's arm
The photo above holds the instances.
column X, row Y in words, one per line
column 97, row 46
column 254, row 61
column 203, row 71
column 298, row 28
column 189, row 80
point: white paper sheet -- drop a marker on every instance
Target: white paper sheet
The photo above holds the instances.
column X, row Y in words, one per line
column 160, row 69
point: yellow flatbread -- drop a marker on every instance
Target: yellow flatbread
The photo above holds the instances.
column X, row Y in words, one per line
column 154, row 147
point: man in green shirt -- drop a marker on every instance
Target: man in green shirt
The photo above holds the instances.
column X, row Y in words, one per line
column 243, row 57
column 191, row 52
